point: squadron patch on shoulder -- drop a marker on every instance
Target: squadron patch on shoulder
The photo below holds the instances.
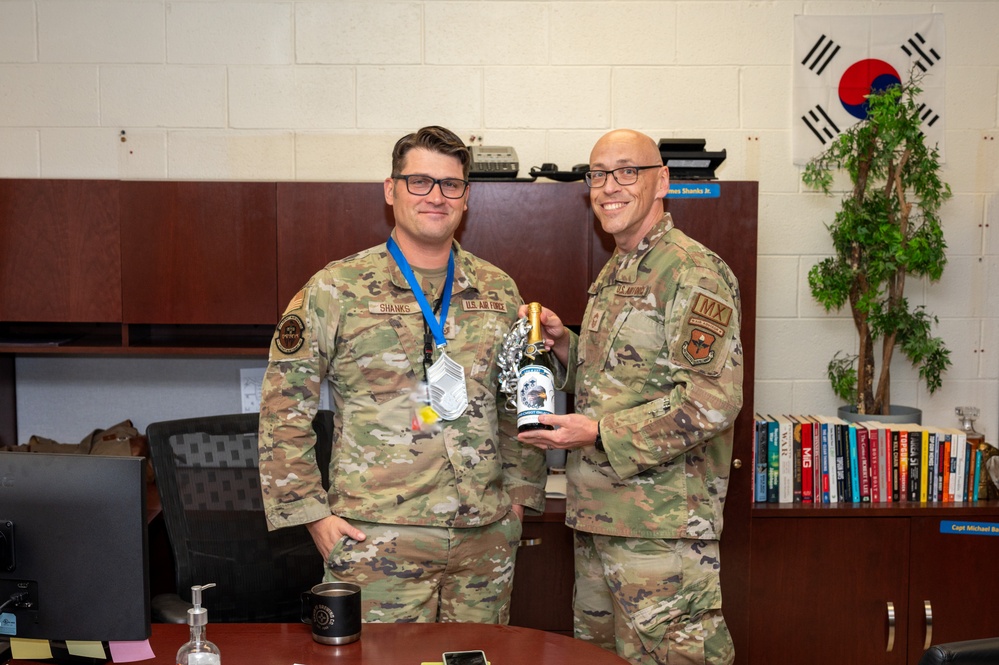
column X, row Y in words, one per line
column 697, row 347
column 290, row 334
column 705, row 333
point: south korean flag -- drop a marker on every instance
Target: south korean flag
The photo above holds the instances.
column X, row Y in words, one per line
column 840, row 59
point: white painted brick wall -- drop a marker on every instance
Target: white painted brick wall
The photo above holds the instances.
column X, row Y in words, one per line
column 270, row 97
column 386, row 33
column 49, row 96
column 17, row 31
column 317, row 90
column 163, row 96
column 603, row 33
column 486, row 33
column 121, row 31
column 230, row 33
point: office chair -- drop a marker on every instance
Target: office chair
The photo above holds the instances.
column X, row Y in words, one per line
column 209, row 484
column 968, row 652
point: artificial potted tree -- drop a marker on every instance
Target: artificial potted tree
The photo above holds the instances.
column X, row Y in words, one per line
column 887, row 228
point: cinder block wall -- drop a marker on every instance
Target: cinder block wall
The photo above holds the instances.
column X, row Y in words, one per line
column 265, row 90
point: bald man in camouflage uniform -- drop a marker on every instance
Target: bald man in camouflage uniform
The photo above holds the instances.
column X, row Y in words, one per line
column 657, row 377
column 424, row 516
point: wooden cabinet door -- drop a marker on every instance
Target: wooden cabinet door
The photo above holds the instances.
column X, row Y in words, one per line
column 539, row 234
column 319, row 222
column 199, row 252
column 953, row 570
column 819, row 589
column 543, row 580
column 60, row 259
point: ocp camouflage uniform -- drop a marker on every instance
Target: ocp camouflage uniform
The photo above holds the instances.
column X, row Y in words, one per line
column 357, row 324
column 659, row 363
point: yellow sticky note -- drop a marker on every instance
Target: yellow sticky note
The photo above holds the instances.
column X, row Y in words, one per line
column 25, row 649
column 87, row 649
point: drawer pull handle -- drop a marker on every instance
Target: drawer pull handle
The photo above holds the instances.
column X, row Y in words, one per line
column 891, row 626
column 530, row 542
column 928, row 613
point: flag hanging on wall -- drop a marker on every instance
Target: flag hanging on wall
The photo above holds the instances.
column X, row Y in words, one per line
column 839, row 59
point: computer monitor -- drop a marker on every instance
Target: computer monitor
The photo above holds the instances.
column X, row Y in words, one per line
column 73, row 548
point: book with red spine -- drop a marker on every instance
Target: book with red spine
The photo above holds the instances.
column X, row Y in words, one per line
column 903, row 463
column 896, row 465
column 864, row 462
column 807, row 461
column 875, row 462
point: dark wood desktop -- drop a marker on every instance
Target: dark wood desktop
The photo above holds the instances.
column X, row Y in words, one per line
column 380, row 644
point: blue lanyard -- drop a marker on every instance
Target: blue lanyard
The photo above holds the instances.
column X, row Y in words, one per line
column 436, row 327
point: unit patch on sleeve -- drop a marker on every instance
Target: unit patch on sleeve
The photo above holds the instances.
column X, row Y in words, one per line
column 290, row 334
column 704, row 334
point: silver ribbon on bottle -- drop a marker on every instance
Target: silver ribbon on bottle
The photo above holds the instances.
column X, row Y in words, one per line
column 510, row 355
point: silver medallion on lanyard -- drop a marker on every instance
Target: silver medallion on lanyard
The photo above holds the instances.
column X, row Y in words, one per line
column 445, row 378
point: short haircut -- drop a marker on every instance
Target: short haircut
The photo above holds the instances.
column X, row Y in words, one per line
column 434, row 139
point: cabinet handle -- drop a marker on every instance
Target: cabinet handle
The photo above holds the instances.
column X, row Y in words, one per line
column 928, row 613
column 530, row 542
column 891, row 626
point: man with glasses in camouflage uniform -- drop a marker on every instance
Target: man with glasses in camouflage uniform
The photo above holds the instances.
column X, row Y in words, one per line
column 657, row 376
column 428, row 484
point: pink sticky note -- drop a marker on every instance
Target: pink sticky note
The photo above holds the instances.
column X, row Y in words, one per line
column 129, row 652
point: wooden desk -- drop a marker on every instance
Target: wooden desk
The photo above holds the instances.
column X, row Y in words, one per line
column 380, row 644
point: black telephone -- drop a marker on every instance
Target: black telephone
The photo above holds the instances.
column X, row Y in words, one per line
column 492, row 162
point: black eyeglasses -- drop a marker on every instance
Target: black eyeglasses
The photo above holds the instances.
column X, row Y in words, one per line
column 625, row 175
column 421, row 185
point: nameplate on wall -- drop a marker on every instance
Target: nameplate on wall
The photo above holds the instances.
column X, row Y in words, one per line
column 705, row 190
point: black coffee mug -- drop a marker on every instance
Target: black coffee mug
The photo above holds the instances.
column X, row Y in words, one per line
column 333, row 609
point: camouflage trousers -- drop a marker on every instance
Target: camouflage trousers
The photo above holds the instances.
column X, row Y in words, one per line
column 651, row 600
column 430, row 574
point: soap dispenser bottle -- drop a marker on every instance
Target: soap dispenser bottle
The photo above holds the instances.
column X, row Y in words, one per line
column 198, row 651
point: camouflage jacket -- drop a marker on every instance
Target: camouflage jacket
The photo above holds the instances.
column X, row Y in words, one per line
column 357, row 324
column 658, row 362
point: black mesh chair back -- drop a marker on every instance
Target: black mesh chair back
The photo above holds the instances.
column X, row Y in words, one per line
column 209, row 484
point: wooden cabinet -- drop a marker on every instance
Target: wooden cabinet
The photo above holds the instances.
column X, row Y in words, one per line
column 198, row 253
column 539, row 234
column 544, row 578
column 863, row 584
column 60, row 258
column 952, row 577
column 318, row 222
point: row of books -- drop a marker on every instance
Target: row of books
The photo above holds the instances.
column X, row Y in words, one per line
column 821, row 459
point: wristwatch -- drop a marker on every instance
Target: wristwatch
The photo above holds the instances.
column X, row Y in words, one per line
column 598, row 443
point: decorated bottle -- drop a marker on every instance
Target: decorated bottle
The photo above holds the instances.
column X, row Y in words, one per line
column 968, row 415
column 535, row 377
column 198, row 651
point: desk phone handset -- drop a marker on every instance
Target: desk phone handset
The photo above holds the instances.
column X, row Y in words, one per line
column 491, row 161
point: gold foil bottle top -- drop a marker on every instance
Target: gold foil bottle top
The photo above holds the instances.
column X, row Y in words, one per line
column 534, row 316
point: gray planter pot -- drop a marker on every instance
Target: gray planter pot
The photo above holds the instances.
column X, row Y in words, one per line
column 899, row 414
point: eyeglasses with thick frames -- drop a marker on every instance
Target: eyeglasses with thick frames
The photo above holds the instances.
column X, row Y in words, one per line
column 625, row 175
column 421, row 185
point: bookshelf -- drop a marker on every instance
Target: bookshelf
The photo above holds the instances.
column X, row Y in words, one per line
column 874, row 580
